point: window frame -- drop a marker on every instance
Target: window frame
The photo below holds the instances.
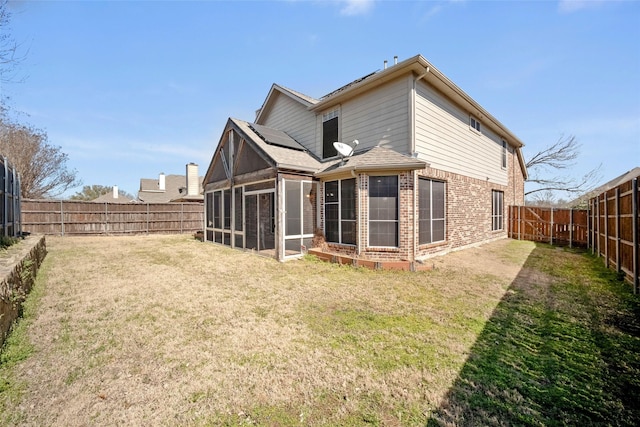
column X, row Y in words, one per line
column 328, row 150
column 431, row 218
column 396, row 221
column 340, row 210
column 497, row 210
column 504, row 154
column 474, row 124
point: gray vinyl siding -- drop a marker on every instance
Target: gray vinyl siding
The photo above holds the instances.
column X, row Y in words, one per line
column 376, row 118
column 445, row 140
column 293, row 118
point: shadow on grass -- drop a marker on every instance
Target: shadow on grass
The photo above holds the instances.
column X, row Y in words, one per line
column 561, row 348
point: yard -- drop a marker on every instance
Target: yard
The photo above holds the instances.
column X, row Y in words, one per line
column 166, row 330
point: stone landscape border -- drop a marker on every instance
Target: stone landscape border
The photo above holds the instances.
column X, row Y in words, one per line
column 19, row 265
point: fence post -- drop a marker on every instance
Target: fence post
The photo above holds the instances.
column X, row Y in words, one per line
column 571, row 227
column 606, row 228
column 17, row 208
column 106, row 218
column 519, row 221
column 61, row 218
column 5, row 197
column 635, row 216
column 551, row 228
column 618, row 266
column 598, row 225
column 181, row 216
column 147, row 217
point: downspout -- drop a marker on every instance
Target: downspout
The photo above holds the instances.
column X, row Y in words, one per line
column 413, row 150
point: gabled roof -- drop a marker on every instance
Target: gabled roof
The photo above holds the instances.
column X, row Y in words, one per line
column 423, row 69
column 294, row 156
column 372, row 160
column 305, row 100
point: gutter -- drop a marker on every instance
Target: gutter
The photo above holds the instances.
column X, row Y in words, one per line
column 372, row 168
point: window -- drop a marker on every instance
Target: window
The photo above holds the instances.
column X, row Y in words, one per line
column 340, row 211
column 431, row 215
column 474, row 123
column 504, row 154
column 383, row 211
column 329, row 133
column 497, row 210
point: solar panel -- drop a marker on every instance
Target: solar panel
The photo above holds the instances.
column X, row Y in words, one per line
column 275, row 137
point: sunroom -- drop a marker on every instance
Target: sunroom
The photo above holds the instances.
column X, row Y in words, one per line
column 260, row 193
column 265, row 193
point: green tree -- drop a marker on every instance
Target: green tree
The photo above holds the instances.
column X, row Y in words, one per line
column 92, row 192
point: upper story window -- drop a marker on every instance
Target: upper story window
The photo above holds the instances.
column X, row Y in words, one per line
column 329, row 133
column 474, row 123
column 504, row 154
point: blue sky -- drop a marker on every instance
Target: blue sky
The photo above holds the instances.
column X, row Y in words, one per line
column 130, row 89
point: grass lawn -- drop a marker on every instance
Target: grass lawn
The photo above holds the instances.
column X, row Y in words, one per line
column 166, row 330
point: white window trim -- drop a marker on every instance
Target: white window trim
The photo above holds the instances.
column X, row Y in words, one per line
column 431, row 181
column 397, row 221
column 339, row 203
column 478, row 126
column 504, row 158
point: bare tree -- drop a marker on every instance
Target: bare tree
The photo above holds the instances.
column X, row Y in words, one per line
column 10, row 55
column 544, row 168
column 42, row 166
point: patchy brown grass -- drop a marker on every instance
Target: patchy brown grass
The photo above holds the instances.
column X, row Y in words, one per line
column 166, row 330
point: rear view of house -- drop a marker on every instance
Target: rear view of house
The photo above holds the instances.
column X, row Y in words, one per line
column 424, row 169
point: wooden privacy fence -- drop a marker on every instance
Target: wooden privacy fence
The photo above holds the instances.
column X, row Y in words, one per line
column 9, row 200
column 565, row 227
column 613, row 228
column 66, row 217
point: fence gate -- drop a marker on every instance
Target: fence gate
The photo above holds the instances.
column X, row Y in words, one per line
column 566, row 227
column 10, row 224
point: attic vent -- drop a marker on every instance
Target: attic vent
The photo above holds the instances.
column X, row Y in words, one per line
column 275, row 137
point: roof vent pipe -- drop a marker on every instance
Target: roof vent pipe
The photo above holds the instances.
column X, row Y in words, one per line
column 115, row 191
column 385, row 64
column 395, row 60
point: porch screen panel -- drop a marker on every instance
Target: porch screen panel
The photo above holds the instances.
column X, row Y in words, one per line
column 227, row 209
column 238, row 214
column 217, row 214
column 308, row 207
column 251, row 232
column 209, row 203
column 293, row 212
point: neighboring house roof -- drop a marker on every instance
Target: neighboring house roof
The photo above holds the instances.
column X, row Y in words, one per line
column 175, row 190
